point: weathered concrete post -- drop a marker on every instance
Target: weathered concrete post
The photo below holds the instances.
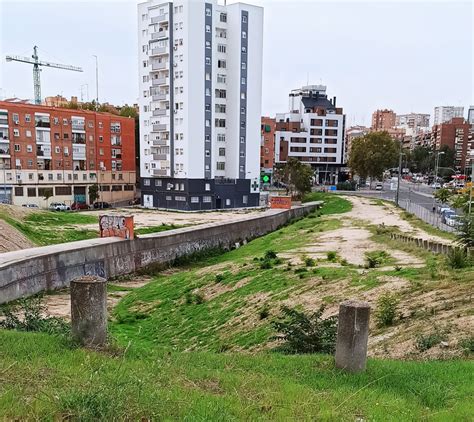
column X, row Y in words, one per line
column 352, row 335
column 89, row 311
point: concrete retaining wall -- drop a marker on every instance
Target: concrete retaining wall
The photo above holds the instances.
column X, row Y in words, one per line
column 30, row 271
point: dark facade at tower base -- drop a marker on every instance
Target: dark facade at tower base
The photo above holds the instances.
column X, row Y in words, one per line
column 197, row 194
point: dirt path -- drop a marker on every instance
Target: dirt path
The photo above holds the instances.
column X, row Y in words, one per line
column 364, row 209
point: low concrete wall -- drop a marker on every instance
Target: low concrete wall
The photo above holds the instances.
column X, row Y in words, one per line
column 30, row 271
column 430, row 245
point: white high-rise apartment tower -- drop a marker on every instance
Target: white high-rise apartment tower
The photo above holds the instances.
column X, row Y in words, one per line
column 200, row 69
column 444, row 114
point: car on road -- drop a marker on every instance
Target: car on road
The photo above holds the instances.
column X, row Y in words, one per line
column 436, row 185
column 59, row 206
column 79, row 206
column 444, row 208
column 379, row 186
column 30, row 206
column 101, row 205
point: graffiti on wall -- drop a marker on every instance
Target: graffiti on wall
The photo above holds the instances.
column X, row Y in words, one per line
column 116, row 226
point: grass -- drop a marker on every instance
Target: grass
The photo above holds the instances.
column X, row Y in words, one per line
column 428, row 228
column 42, row 378
column 333, row 204
column 157, row 229
column 49, row 227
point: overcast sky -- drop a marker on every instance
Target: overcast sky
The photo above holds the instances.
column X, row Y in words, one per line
column 405, row 55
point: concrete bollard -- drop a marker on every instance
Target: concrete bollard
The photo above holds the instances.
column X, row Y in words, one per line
column 352, row 335
column 89, row 311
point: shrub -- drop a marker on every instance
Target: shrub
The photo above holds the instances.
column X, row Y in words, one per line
column 270, row 254
column 382, row 229
column 32, row 310
column 424, row 342
column 397, row 268
column 386, row 310
column 467, row 344
column 265, row 265
column 306, row 333
column 457, row 258
column 196, row 298
column 466, row 232
column 376, row 258
column 344, row 262
column 219, row 278
column 300, row 270
column 331, row 256
column 309, row 262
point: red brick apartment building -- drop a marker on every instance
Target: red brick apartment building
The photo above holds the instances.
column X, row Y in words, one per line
column 64, row 152
column 267, row 148
column 454, row 134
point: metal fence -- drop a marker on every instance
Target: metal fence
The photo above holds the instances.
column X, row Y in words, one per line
column 428, row 216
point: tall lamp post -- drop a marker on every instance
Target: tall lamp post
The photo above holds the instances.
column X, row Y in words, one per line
column 96, row 82
column 397, row 195
column 472, row 181
column 438, row 153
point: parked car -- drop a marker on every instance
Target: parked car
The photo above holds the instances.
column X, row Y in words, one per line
column 453, row 220
column 135, row 201
column 436, row 185
column 379, row 186
column 447, row 214
column 79, row 206
column 30, row 206
column 59, row 206
column 102, row 205
column 444, row 208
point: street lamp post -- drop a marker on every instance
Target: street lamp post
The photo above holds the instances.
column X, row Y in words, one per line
column 397, row 195
column 436, row 173
column 472, row 181
column 96, row 81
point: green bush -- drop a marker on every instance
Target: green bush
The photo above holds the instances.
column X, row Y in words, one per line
column 386, row 311
column 331, row 255
column 305, row 333
column 32, row 311
column 219, row 278
column 195, row 298
column 349, row 185
column 309, row 262
column 425, row 342
column 265, row 265
column 270, row 254
column 457, row 258
column 467, row 344
column 376, row 258
column 264, row 312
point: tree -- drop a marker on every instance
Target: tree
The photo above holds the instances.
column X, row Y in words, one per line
column 296, row 176
column 372, row 154
column 48, row 193
column 128, row 111
column 442, row 195
column 466, row 232
column 421, row 159
column 93, row 193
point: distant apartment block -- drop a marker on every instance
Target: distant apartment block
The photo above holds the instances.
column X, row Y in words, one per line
column 413, row 123
column 454, row 134
column 446, row 113
column 200, row 85
column 383, row 120
column 267, row 146
column 352, row 133
column 470, row 115
column 58, row 151
column 312, row 131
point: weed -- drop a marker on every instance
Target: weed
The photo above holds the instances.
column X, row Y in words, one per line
column 344, row 262
column 457, row 258
column 302, row 333
column 309, row 262
column 332, row 256
column 425, row 342
column 376, row 258
column 397, row 268
column 301, row 270
column 265, row 265
column 270, row 254
column 32, row 309
column 219, row 278
column 467, row 344
column 386, row 310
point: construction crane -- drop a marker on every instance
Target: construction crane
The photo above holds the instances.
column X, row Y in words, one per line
column 36, row 62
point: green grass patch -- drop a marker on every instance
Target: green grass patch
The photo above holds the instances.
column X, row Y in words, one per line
column 333, row 204
column 157, row 229
column 50, row 227
column 42, row 379
column 428, row 228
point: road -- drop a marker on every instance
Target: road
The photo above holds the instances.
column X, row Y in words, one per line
column 416, row 193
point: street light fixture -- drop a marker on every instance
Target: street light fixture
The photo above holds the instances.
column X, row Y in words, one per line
column 397, row 195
